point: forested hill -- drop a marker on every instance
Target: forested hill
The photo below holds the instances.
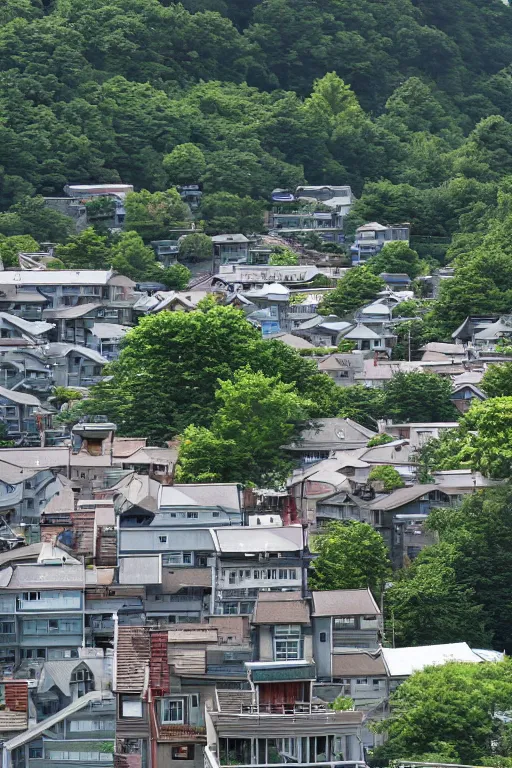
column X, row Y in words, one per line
column 102, row 90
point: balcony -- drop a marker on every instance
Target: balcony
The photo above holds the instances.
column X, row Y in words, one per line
column 211, row 761
column 101, row 625
column 50, row 604
column 180, row 733
column 7, row 638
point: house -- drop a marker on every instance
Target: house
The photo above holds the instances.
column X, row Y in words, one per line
column 230, row 249
column 418, row 433
column 471, row 326
column 22, row 413
column 42, row 604
column 25, row 304
column 376, row 372
column 74, row 325
column 240, row 277
column 327, row 435
column 282, row 622
column 498, row 332
column 320, row 209
column 278, row 720
column 35, row 332
column 322, row 330
column 368, row 340
column 78, row 198
column 343, row 618
column 251, row 559
column 75, row 365
column 463, row 396
column 68, row 288
column 454, row 352
column 343, row 368
column 373, row 237
column 396, row 281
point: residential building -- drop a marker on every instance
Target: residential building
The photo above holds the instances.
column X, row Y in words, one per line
column 250, row 559
column 343, row 618
column 239, row 277
column 327, row 435
column 342, row 368
column 373, row 237
column 74, row 365
column 418, row 433
column 230, row 249
column 42, row 606
column 22, row 413
column 282, row 622
column 320, row 209
column 323, row 330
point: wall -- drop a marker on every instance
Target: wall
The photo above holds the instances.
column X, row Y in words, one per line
column 322, row 651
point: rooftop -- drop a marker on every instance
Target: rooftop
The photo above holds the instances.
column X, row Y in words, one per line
column 402, row 662
column 56, row 277
column 281, row 608
column 344, row 602
column 245, row 540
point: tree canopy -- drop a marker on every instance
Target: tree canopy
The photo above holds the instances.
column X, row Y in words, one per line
column 351, row 555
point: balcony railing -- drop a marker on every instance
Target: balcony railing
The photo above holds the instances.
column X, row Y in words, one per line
column 7, row 638
column 211, row 761
column 295, row 708
column 56, row 604
column 226, row 670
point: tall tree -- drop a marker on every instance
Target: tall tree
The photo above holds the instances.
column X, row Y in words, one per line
column 351, row 555
column 359, row 286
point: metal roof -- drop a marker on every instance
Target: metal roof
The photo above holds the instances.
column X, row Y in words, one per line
column 67, row 576
column 234, row 539
column 31, row 327
column 402, row 662
column 70, row 313
column 19, row 397
column 357, row 664
column 56, row 277
column 207, row 494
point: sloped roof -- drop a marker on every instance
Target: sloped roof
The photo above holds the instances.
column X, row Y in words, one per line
column 333, row 433
column 19, row 397
column 109, row 330
column 30, row 552
column 208, row 494
column 235, row 539
column 49, row 722
column 70, row 313
column 344, row 602
column 31, row 327
column 132, row 657
column 281, row 608
column 361, row 332
column 444, row 348
column 357, row 664
column 173, row 580
column 68, row 576
column 126, row 446
column 403, row 496
column 372, row 225
column 60, row 349
column 293, row 341
column 59, row 673
column 402, row 662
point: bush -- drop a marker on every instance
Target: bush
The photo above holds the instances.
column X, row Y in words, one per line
column 387, row 475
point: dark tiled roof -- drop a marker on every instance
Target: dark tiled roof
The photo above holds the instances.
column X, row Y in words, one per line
column 281, row 608
column 344, row 602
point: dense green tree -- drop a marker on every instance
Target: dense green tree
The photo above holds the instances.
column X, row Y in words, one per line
column 175, row 278
column 32, row 217
column 185, row 164
column 389, row 476
column 88, row 250
column 359, row 286
column 451, row 710
column 227, row 213
column 256, row 415
column 351, row 555
column 11, row 246
column 418, row 396
column 426, row 605
column 283, row 257
column 362, row 404
column 396, row 257
column 132, row 258
column 167, row 372
column 196, row 247
column 497, row 380
column 153, row 214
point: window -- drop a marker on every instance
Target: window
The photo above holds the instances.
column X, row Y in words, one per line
column 162, row 539
column 230, row 609
column 172, row 558
column 131, row 706
column 256, row 574
column 183, row 752
column 346, row 622
column 361, row 681
column 92, row 725
column 215, row 514
column 323, row 637
column 232, row 577
column 286, row 649
column 30, row 503
column 62, row 653
column 376, row 683
column 7, row 627
column 194, row 700
column 35, row 753
column 172, row 711
column 192, row 515
column 187, row 558
column 31, row 595
column 287, row 629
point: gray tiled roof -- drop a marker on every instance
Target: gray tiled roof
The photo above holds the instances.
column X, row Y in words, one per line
column 344, row 602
